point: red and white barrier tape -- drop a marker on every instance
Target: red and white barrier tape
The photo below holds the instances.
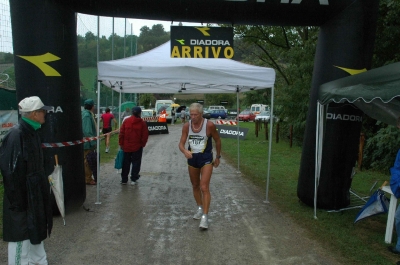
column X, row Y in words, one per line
column 70, row 143
column 150, row 118
column 226, row 122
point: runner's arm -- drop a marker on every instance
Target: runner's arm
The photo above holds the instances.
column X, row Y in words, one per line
column 185, row 133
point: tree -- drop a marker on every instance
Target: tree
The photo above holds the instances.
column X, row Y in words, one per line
column 382, row 140
column 152, row 38
column 146, row 100
column 388, row 32
column 290, row 51
column 215, row 99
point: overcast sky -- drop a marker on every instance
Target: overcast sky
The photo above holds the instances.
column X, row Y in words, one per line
column 85, row 23
column 89, row 23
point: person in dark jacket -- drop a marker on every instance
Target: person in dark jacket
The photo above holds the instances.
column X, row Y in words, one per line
column 27, row 217
column 133, row 137
column 89, row 128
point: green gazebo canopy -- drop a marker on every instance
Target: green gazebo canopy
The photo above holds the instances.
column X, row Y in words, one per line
column 376, row 92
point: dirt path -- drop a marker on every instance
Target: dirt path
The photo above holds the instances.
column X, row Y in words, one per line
column 151, row 223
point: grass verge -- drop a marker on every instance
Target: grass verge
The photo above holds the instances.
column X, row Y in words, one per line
column 361, row 243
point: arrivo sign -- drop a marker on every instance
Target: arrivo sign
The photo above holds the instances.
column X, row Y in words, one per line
column 201, row 42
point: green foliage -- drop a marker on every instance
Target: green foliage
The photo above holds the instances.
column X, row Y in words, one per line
column 387, row 34
column 88, row 77
column 145, row 99
column 215, row 99
column 382, row 141
column 117, row 47
column 262, row 96
column 6, row 57
column 381, row 149
column 361, row 243
column 152, row 38
column 290, row 51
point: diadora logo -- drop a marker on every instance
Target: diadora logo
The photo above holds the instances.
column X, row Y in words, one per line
column 343, row 117
column 352, row 71
column 231, row 132
column 40, row 62
column 204, row 30
column 55, row 109
column 182, row 41
column 157, row 128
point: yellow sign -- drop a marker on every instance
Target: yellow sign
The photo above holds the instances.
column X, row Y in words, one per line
column 201, row 52
column 202, row 42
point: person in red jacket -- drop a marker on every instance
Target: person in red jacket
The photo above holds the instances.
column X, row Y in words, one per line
column 133, row 137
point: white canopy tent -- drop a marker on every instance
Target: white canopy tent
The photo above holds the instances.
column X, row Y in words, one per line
column 156, row 72
column 375, row 92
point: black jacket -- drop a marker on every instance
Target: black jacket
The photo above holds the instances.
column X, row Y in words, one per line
column 26, row 204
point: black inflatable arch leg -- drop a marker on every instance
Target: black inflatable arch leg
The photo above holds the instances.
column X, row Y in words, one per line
column 46, row 65
column 346, row 41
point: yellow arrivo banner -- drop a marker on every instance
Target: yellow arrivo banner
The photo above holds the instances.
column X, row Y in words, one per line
column 202, row 42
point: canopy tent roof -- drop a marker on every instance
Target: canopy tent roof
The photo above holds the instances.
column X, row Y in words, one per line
column 376, row 92
column 156, row 72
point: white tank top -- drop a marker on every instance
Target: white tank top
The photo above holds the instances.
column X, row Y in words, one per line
column 199, row 142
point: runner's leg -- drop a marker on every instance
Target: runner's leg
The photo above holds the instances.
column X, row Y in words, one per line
column 194, row 174
column 206, row 172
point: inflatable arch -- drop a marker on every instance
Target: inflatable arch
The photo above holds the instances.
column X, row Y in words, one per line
column 46, row 65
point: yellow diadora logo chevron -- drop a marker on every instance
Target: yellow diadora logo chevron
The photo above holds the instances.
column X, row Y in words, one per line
column 41, row 60
column 204, row 30
column 352, row 71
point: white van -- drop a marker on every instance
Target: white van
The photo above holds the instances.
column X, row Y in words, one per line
column 257, row 108
column 167, row 103
column 217, row 107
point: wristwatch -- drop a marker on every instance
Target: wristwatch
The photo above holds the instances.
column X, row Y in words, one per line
column 218, row 157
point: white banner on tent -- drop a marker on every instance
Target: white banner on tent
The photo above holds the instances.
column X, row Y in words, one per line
column 8, row 118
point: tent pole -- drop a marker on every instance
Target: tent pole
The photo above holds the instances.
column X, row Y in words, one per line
column 271, row 122
column 112, row 58
column 98, row 118
column 119, row 107
column 98, row 143
column 237, row 118
column 317, row 156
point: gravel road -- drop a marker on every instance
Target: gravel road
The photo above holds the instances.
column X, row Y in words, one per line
column 151, row 223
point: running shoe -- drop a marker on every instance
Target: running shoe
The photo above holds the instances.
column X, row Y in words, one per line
column 123, row 183
column 107, row 149
column 198, row 215
column 204, row 222
column 133, row 183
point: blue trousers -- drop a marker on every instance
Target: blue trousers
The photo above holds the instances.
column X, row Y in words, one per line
column 134, row 159
column 397, row 224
